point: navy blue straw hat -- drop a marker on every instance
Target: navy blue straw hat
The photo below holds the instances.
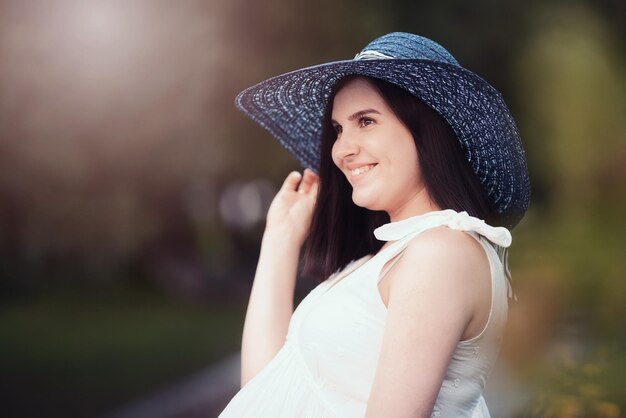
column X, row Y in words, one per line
column 291, row 107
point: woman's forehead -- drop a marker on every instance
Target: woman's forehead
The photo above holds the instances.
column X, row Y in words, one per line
column 356, row 95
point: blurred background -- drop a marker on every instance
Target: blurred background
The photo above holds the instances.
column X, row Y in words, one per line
column 133, row 194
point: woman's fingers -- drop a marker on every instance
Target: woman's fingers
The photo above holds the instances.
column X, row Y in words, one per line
column 291, row 182
column 314, row 187
column 308, row 181
column 301, row 183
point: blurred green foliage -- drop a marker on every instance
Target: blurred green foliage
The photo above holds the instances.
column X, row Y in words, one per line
column 574, row 388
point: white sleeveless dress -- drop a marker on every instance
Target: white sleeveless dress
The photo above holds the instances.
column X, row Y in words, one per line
column 327, row 364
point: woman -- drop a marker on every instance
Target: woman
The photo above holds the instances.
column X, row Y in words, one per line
column 414, row 154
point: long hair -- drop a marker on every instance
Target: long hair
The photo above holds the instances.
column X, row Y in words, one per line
column 341, row 231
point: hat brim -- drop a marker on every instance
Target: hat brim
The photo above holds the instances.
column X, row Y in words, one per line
column 291, row 107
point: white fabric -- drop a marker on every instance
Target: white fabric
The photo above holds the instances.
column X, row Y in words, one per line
column 371, row 55
column 326, row 367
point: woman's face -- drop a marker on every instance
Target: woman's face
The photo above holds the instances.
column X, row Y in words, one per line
column 376, row 152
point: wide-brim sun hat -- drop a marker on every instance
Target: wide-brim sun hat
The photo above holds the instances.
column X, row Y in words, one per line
column 291, row 107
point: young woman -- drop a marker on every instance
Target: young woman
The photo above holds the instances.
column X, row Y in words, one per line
column 419, row 160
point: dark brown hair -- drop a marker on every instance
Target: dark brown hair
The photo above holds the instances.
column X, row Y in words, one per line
column 341, row 231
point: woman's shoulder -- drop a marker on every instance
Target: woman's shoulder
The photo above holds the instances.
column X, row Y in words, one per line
column 442, row 257
column 446, row 272
column 445, row 244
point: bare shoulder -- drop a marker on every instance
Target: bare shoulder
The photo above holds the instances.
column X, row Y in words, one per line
column 447, row 245
column 442, row 258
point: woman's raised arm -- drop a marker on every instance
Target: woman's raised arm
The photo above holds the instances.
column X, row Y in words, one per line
column 271, row 298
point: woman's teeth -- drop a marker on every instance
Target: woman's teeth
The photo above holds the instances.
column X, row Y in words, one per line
column 361, row 170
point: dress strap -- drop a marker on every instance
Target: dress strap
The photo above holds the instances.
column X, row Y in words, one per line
column 461, row 221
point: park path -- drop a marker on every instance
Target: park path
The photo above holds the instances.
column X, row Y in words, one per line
column 202, row 395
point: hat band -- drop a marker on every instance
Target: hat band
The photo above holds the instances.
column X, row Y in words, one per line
column 371, row 55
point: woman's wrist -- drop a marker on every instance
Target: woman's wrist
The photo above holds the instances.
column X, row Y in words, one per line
column 282, row 237
column 278, row 260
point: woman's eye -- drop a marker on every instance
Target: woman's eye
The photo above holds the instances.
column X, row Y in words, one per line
column 338, row 129
column 364, row 121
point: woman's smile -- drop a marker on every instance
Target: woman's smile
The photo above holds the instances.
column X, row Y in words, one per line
column 361, row 170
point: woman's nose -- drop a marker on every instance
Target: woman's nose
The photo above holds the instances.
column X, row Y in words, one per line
column 345, row 146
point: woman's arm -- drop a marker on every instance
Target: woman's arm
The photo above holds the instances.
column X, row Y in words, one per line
column 437, row 296
column 271, row 298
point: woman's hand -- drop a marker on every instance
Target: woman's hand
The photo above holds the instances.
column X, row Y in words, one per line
column 292, row 208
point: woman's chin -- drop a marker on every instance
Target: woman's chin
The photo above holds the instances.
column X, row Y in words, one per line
column 365, row 202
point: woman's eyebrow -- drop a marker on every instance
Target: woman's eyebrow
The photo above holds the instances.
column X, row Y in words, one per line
column 359, row 114
column 362, row 113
